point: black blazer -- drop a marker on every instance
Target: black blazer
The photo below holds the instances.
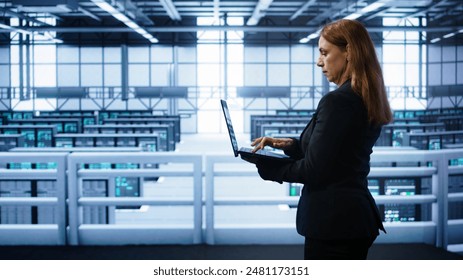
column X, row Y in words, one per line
column 332, row 161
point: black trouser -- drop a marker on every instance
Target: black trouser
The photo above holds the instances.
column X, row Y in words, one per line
column 338, row 249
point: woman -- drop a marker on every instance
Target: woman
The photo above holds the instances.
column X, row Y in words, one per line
column 336, row 213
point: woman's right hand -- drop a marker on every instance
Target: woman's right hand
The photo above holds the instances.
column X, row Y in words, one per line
column 277, row 143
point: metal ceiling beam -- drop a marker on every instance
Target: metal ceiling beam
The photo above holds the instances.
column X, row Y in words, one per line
column 262, row 29
column 171, row 10
column 216, row 11
column 302, row 9
column 87, row 13
column 259, row 12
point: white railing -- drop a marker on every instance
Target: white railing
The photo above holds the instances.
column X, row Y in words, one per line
column 34, row 234
column 263, row 233
column 438, row 231
column 132, row 234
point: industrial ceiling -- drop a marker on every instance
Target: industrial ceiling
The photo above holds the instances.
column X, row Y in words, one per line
column 265, row 21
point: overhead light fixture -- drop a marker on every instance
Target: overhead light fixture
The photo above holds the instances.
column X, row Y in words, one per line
column 124, row 19
column 353, row 16
column 446, row 36
column 259, row 12
column 171, row 10
column 310, row 37
column 368, row 9
column 304, row 40
column 449, row 35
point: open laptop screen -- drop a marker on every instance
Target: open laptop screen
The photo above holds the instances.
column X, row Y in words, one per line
column 231, row 132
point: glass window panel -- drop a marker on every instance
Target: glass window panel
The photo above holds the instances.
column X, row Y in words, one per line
column 161, row 54
column 91, row 75
column 448, row 54
column 278, row 74
column 5, row 76
column 4, row 55
column 412, row 36
column 423, row 54
column 413, row 21
column 235, row 53
column 235, row 75
column 44, row 105
column 302, row 53
column 387, row 21
column 235, row 36
column 278, row 54
column 14, row 75
column 206, row 21
column 210, row 36
column 112, row 55
column 236, row 21
column 210, row 74
column 91, row 54
column 14, row 53
column 460, row 73
column 434, row 53
column 68, row 54
column 412, row 53
column 394, row 35
column 112, row 75
column 139, row 75
column 460, row 53
column 448, row 73
column 423, row 74
column 187, row 75
column 186, row 54
column 45, row 75
column 209, row 120
column 412, row 74
column 44, row 53
column 26, row 105
column 393, row 53
column 301, row 75
column 160, row 74
column 255, row 75
column 318, row 76
column 138, row 55
column 255, row 54
column 393, row 74
column 68, row 75
column 379, row 53
column 209, row 53
column 434, row 74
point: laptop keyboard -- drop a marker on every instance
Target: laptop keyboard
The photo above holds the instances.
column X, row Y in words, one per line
column 264, row 152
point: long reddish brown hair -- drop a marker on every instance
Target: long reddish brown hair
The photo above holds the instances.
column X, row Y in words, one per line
column 363, row 67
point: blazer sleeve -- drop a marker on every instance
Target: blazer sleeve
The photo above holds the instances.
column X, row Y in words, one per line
column 333, row 123
column 294, row 150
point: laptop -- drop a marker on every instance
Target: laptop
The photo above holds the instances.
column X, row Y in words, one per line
column 246, row 153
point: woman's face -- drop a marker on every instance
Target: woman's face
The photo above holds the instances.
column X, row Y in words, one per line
column 332, row 60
